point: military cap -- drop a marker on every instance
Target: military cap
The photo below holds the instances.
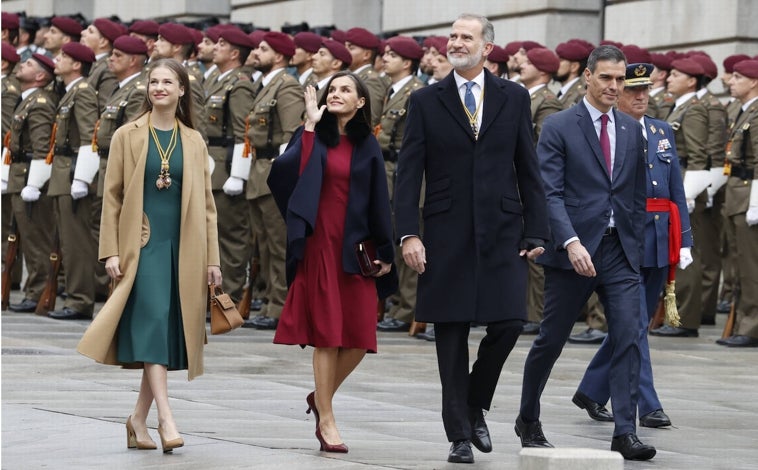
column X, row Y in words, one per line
column 674, row 55
column 498, row 55
column 338, row 35
column 10, row 20
column 709, row 66
column 688, row 66
column 235, row 36
column 308, row 41
column 748, row 68
column 440, row 43
column 145, row 27
column 10, row 54
column 176, row 33
column 583, row 42
column 338, row 50
column 67, row 25
column 79, row 52
column 197, row 35
column 544, row 59
column 661, row 61
column 608, row 42
column 130, row 45
column 635, row 54
column 45, row 62
column 427, row 41
column 731, row 60
column 573, row 51
column 638, row 74
column 362, row 37
column 110, row 30
column 212, row 32
column 529, row 45
column 406, row 47
column 512, row 47
column 280, row 42
column 257, row 36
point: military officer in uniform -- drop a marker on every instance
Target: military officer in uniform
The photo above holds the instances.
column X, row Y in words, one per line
column 497, row 62
column 331, row 57
column 659, row 89
column 401, row 59
column 363, row 46
column 62, row 30
column 74, row 125
column 741, row 205
column 147, row 32
column 28, row 145
column 10, row 92
column 306, row 44
column 100, row 37
column 276, row 114
column 573, row 56
column 230, row 99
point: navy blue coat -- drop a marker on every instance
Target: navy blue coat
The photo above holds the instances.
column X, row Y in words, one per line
column 368, row 208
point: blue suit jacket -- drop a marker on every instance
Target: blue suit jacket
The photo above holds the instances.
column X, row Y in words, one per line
column 664, row 180
column 580, row 194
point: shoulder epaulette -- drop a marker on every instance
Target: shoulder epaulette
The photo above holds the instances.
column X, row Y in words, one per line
column 83, row 84
column 191, row 77
column 41, row 99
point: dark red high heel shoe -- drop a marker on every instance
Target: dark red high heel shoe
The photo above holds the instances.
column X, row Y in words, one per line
column 311, row 400
column 326, row 447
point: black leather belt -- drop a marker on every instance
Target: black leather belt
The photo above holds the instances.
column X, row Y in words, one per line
column 266, row 154
column 220, row 141
column 610, row 232
column 742, row 173
column 22, row 157
column 65, row 151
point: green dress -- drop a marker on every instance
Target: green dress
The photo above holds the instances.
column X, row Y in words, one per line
column 150, row 329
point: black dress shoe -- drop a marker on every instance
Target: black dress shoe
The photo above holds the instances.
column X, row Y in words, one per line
column 256, row 305
column 675, row 331
column 530, row 328
column 427, row 335
column 630, row 447
column 740, row 341
column 25, row 306
column 265, row 323
column 589, row 336
column 530, row 434
column 67, row 314
column 460, row 452
column 596, row 411
column 480, row 435
column 655, row 419
column 724, row 306
column 392, row 324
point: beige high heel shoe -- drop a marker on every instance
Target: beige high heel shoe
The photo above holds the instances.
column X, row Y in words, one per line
column 168, row 446
column 131, row 438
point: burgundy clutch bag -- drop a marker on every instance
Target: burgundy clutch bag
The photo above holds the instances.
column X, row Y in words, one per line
column 365, row 252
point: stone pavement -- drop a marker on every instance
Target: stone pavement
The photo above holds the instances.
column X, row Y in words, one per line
column 61, row 410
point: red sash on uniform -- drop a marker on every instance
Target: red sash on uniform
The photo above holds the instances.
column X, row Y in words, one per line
column 675, row 230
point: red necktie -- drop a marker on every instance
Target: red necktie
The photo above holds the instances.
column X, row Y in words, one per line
column 605, row 141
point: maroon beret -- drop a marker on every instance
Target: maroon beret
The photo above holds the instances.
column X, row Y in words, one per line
column 79, row 52
column 176, row 33
column 338, row 35
column 529, row 45
column 45, row 62
column 362, row 38
column 212, row 33
column 280, row 42
column 731, row 60
column 257, row 36
column 573, row 51
column 406, row 47
column 673, row 55
column 110, row 30
column 197, row 36
column 440, row 43
column 498, row 55
column 544, row 59
column 145, row 27
column 234, row 35
column 427, row 41
column 688, row 66
column 338, row 50
column 583, row 42
column 10, row 20
column 308, row 41
column 661, row 61
column 635, row 54
column 67, row 25
column 608, row 42
column 10, row 54
column 512, row 47
column 709, row 66
column 748, row 68
column 130, row 45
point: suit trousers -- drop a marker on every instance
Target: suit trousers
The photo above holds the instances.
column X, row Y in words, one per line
column 269, row 228
column 234, row 241
column 35, row 228
column 690, row 281
column 618, row 286
column 461, row 388
column 746, row 318
column 709, row 239
column 596, row 383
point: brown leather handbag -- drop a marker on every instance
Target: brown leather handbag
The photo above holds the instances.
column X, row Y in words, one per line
column 224, row 314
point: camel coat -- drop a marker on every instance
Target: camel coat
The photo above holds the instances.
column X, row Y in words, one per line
column 124, row 230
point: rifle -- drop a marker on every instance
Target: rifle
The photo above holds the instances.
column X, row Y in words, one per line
column 247, row 294
column 660, row 315
column 10, row 259
column 46, row 301
column 729, row 325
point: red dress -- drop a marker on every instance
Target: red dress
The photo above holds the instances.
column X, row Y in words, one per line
column 325, row 306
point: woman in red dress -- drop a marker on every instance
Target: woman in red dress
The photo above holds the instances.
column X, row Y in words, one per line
column 331, row 190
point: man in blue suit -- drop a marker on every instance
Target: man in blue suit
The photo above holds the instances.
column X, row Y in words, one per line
column 470, row 135
column 592, row 162
column 663, row 245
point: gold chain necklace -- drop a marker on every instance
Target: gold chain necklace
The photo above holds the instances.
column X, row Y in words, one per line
column 472, row 118
column 164, row 178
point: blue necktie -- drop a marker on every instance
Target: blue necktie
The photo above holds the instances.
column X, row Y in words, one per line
column 468, row 99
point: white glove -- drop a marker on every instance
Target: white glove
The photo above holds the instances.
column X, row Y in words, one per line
column 685, row 257
column 718, row 179
column 87, row 165
column 695, row 182
column 79, row 189
column 233, row 186
column 240, row 163
column 690, row 205
column 5, row 174
column 5, row 186
column 751, row 217
column 30, row 194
